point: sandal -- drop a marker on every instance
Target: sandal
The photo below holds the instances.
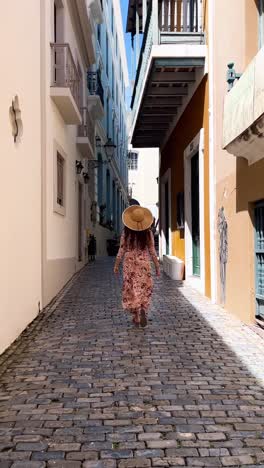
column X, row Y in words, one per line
column 136, row 319
column 137, row 324
column 143, row 319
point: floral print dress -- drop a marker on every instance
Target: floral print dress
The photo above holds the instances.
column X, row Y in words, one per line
column 137, row 279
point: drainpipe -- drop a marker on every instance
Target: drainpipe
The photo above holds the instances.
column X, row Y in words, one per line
column 212, row 169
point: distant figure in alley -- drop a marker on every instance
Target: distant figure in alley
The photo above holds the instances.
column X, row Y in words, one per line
column 136, row 247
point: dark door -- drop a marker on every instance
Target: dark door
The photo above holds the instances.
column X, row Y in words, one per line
column 259, row 258
column 195, row 214
column 166, row 226
column 80, row 223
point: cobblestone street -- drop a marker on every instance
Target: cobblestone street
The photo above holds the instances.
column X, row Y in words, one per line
column 83, row 388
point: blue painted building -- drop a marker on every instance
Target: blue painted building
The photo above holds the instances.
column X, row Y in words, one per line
column 111, row 76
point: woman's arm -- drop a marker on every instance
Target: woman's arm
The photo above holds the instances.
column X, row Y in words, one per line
column 152, row 251
column 120, row 254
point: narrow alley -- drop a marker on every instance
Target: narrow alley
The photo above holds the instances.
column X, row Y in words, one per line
column 83, row 388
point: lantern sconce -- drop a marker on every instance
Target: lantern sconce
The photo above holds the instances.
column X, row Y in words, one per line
column 110, row 148
column 86, row 177
column 231, row 75
column 79, row 167
column 98, row 142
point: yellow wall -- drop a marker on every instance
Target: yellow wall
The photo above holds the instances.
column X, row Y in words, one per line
column 238, row 185
column 194, row 118
column 237, row 193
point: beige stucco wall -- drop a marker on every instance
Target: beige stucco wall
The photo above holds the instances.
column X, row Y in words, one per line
column 20, row 235
column 238, row 44
column 60, row 231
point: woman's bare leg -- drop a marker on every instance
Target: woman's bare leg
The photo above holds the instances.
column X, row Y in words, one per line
column 143, row 318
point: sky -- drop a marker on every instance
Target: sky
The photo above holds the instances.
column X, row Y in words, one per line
column 124, row 5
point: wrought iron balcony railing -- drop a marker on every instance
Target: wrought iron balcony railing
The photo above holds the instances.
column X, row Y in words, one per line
column 95, row 85
column 167, row 22
column 64, row 72
column 86, row 129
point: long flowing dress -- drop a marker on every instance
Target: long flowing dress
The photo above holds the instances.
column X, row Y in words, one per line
column 137, row 279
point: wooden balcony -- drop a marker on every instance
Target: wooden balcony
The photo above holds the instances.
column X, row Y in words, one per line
column 85, row 135
column 170, row 67
column 65, row 84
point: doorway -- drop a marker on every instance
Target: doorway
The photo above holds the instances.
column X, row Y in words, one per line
column 166, row 218
column 259, row 258
column 195, row 214
column 80, row 221
column 165, row 244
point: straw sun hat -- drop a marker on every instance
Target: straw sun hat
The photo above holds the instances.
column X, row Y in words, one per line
column 137, row 218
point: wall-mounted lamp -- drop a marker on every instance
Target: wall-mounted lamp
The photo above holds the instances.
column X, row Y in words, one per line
column 231, row 75
column 98, row 143
column 79, row 167
column 86, row 177
column 110, row 148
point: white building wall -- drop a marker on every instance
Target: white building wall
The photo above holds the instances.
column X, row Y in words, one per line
column 61, row 231
column 20, row 181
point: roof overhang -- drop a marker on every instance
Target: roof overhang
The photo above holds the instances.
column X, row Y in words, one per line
column 170, row 84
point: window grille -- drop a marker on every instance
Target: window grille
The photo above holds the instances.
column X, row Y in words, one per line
column 60, row 179
column 133, row 161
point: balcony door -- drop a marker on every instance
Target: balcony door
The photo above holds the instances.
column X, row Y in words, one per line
column 80, row 77
column 58, row 22
column 59, row 61
column 80, row 221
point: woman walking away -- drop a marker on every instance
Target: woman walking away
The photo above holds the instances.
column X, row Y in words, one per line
column 136, row 246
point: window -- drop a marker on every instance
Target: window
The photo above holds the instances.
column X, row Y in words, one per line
column 107, row 117
column 108, row 196
column 112, row 20
column 117, row 146
column 113, row 83
column 100, row 181
column 60, row 180
column 107, row 55
column 133, row 161
column 113, row 129
column 99, row 33
column 180, row 210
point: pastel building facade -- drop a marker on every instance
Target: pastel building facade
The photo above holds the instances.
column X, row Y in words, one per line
column 52, row 136
column 205, row 116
